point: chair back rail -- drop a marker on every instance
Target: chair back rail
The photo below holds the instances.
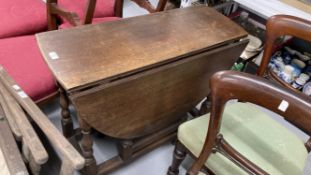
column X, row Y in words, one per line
column 281, row 25
column 228, row 151
column 149, row 7
column 91, row 6
column 54, row 11
column 227, row 85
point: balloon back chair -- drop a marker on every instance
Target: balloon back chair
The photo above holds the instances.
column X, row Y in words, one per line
column 278, row 26
column 240, row 138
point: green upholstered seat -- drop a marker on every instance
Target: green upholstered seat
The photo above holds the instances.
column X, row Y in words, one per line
column 255, row 135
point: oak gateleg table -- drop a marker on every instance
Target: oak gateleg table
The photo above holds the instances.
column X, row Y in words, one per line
column 136, row 78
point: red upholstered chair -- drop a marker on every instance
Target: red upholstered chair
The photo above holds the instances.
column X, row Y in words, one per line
column 22, row 17
column 21, row 57
column 79, row 12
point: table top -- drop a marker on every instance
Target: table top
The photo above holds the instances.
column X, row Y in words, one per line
column 86, row 55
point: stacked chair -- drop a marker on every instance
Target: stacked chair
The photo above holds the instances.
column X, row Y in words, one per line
column 15, row 108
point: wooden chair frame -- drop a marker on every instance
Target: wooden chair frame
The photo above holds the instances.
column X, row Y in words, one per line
column 13, row 162
column 149, row 7
column 228, row 85
column 33, row 150
column 14, row 102
column 281, row 25
column 54, row 11
column 277, row 26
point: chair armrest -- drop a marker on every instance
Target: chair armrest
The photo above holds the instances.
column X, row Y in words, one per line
column 149, row 7
column 30, row 140
column 11, row 159
column 71, row 17
column 72, row 158
column 145, row 4
column 11, row 119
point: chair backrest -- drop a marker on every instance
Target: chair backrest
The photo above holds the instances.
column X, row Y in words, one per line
column 227, row 85
column 149, row 7
column 91, row 6
column 54, row 11
column 119, row 5
column 281, row 25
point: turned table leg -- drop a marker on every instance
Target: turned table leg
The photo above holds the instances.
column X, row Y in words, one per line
column 178, row 157
column 67, row 125
column 87, row 148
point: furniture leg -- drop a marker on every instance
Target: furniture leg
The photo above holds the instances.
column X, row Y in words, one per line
column 87, row 149
column 52, row 22
column 126, row 149
column 67, row 125
column 178, row 157
column 206, row 106
column 308, row 145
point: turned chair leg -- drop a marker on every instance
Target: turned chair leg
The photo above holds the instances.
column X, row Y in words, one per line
column 178, row 157
column 90, row 167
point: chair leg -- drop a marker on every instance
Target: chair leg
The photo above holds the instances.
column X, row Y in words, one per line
column 178, row 157
column 206, row 106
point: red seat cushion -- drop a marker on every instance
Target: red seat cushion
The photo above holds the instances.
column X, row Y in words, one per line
column 66, row 25
column 104, row 8
column 22, row 59
column 22, row 17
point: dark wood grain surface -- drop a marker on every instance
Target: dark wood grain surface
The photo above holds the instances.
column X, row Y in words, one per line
column 89, row 54
column 152, row 100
